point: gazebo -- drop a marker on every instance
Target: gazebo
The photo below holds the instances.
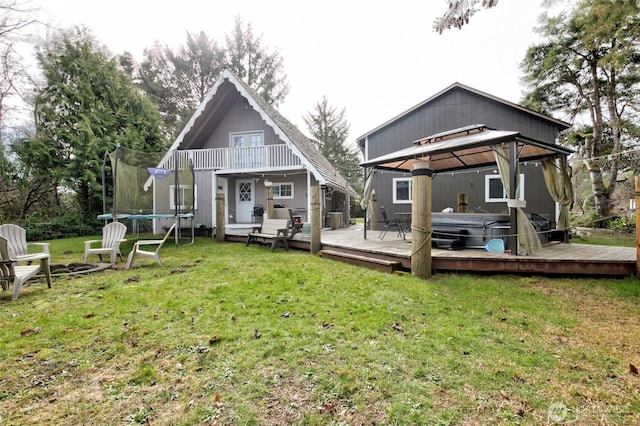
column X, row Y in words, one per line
column 477, row 146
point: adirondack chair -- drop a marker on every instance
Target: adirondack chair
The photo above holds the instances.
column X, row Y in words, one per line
column 13, row 274
column 112, row 235
column 18, row 246
column 138, row 251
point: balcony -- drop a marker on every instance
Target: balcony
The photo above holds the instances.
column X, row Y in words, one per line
column 257, row 158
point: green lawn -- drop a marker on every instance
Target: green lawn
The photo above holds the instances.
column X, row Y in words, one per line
column 228, row 334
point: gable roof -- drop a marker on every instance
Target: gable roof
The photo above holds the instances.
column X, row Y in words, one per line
column 301, row 145
column 456, row 85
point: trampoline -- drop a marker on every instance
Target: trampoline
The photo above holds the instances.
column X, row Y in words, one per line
column 149, row 186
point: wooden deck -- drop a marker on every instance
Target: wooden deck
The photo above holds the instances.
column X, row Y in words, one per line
column 554, row 259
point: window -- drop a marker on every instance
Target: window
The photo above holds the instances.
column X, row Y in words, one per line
column 402, row 190
column 249, row 149
column 283, row 190
column 184, row 197
column 494, row 191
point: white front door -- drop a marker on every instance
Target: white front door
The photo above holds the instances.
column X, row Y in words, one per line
column 244, row 200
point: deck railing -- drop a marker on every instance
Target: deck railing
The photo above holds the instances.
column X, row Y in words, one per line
column 248, row 158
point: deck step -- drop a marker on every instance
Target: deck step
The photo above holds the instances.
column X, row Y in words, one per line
column 383, row 265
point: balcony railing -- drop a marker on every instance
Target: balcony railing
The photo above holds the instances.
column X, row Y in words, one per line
column 249, row 158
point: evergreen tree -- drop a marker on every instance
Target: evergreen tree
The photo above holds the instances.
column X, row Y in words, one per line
column 255, row 65
column 588, row 67
column 330, row 130
column 87, row 107
column 178, row 81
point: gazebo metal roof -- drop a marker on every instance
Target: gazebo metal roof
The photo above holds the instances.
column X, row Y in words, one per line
column 464, row 148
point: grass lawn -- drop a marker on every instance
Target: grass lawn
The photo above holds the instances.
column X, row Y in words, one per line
column 228, row 334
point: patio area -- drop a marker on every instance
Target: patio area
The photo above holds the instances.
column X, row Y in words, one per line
column 555, row 258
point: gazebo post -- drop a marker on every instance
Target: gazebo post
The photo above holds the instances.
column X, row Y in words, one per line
column 421, row 219
column 513, row 179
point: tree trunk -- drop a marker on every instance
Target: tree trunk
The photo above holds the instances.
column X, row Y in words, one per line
column 600, row 193
column 593, row 146
column 616, row 130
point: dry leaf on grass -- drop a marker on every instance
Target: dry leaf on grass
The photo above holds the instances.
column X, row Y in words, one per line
column 30, row 331
column 217, row 401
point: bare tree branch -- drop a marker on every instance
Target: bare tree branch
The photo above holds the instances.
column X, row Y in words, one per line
column 14, row 16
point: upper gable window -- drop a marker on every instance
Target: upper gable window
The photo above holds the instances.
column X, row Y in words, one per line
column 246, row 140
column 249, row 149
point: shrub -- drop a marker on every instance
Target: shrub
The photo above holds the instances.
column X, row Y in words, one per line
column 70, row 224
column 621, row 224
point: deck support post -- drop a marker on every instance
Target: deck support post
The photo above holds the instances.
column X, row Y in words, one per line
column 314, row 241
column 637, row 185
column 513, row 180
column 268, row 188
column 220, row 228
column 421, row 220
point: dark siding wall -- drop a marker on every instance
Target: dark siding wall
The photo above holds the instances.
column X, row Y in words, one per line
column 458, row 108
column 447, row 186
column 454, row 109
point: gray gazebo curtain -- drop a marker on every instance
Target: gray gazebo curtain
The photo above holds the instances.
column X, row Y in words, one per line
column 559, row 186
column 528, row 240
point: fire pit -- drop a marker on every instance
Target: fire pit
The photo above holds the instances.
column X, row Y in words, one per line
column 77, row 268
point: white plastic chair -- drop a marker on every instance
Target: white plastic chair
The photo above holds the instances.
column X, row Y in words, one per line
column 17, row 243
column 112, row 236
column 13, row 274
column 155, row 255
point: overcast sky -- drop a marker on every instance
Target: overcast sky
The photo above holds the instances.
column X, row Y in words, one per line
column 374, row 58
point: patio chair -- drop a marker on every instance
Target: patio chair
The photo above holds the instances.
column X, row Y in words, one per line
column 389, row 224
column 18, row 246
column 13, row 274
column 112, row 236
column 138, row 251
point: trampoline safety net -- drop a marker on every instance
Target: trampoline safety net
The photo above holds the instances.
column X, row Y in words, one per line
column 150, row 183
